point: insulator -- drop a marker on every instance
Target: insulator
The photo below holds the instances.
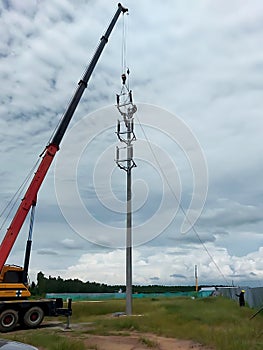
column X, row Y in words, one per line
column 123, row 77
column 132, row 125
column 128, row 125
column 118, row 99
column 118, row 127
column 130, row 152
column 117, row 153
column 130, row 95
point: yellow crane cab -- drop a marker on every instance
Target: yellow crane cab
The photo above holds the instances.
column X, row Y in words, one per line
column 11, row 283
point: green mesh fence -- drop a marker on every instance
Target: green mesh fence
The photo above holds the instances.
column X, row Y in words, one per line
column 110, row 296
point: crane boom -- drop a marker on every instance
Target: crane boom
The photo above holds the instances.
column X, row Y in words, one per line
column 30, row 197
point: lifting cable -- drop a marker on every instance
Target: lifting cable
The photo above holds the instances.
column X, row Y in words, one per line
column 179, row 203
column 123, row 47
column 17, row 196
column 124, row 68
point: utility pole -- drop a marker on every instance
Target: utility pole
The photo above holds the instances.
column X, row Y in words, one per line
column 125, row 133
column 196, row 279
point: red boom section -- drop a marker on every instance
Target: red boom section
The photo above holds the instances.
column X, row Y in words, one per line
column 52, row 148
column 26, row 203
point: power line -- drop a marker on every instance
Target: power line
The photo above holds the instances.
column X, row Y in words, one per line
column 13, row 201
column 179, row 204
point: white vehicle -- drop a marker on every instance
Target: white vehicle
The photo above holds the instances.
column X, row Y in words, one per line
column 6, row 344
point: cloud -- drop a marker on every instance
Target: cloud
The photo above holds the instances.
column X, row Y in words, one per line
column 70, row 244
column 154, row 279
column 177, row 275
column 147, row 267
column 231, row 214
column 46, row 252
column 200, row 61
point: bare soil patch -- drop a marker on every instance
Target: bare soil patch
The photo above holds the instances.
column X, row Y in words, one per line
column 119, row 341
column 139, row 342
column 127, row 340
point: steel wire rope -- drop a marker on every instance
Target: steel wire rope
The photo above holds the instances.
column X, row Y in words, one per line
column 124, row 66
column 178, row 202
column 13, row 201
column 123, row 45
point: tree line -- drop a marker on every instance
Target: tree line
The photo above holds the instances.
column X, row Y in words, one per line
column 59, row 285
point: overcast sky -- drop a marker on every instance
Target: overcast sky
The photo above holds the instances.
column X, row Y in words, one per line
column 196, row 71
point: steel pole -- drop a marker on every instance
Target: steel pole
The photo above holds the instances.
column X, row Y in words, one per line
column 129, row 229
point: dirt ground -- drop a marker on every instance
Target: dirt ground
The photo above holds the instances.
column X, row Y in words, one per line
column 139, row 342
column 129, row 341
column 120, row 341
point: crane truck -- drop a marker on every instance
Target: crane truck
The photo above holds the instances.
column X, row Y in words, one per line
column 15, row 305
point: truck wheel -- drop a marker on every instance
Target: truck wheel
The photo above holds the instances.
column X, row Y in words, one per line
column 33, row 317
column 8, row 320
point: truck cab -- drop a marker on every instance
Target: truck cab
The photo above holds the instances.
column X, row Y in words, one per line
column 12, row 283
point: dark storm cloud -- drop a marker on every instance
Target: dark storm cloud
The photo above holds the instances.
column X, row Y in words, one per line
column 178, row 275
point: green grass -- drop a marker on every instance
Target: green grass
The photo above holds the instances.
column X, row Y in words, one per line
column 148, row 342
column 216, row 322
column 85, row 311
column 47, row 339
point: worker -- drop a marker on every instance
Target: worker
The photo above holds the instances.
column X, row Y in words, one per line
column 241, row 297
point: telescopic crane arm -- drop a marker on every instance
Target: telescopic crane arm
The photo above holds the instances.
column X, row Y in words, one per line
column 30, row 197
